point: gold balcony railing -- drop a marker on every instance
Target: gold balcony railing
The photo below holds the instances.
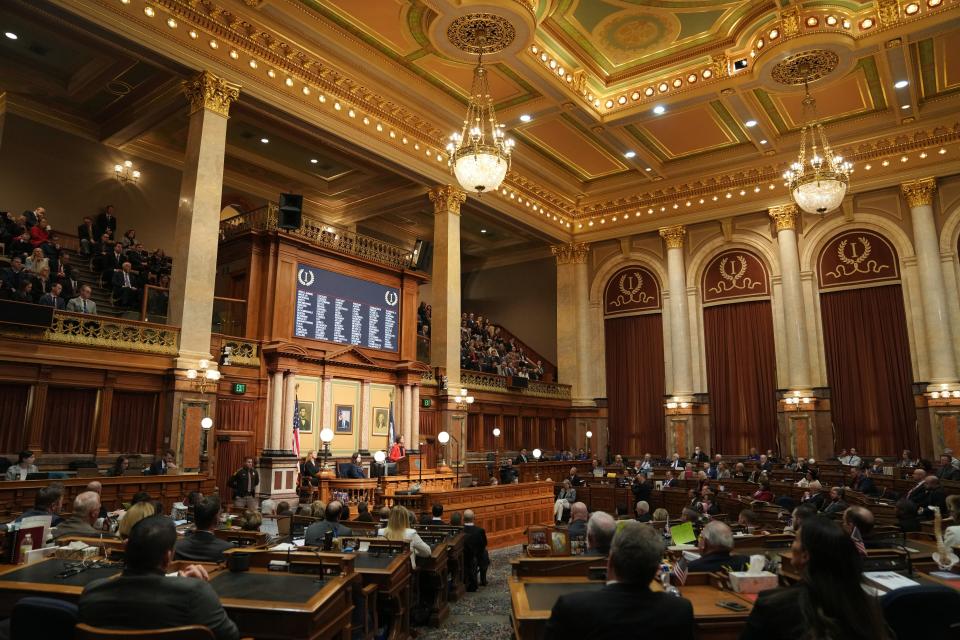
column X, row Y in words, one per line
column 244, row 353
column 319, row 234
column 112, row 333
column 479, row 381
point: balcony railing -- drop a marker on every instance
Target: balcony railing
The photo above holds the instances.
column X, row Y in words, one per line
column 229, row 314
column 478, row 381
column 103, row 332
column 319, row 234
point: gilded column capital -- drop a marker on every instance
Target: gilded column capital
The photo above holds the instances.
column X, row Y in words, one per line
column 447, row 198
column 207, row 91
column 919, row 192
column 674, row 236
column 573, row 253
column 784, row 216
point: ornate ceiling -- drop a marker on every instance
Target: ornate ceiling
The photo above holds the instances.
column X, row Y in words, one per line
column 637, row 114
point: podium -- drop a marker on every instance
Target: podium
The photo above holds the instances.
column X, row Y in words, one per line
column 411, row 464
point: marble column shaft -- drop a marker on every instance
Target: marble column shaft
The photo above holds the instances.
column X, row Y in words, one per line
column 573, row 320
column 445, row 327
column 794, row 319
column 286, row 426
column 679, row 313
column 276, row 409
column 407, row 405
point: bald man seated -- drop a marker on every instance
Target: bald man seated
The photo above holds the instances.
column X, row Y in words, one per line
column 715, row 544
column 86, row 510
column 600, row 529
column 578, row 520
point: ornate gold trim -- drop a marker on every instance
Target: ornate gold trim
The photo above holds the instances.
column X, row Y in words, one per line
column 481, row 33
column 805, row 66
column 447, row 199
column 919, row 192
column 207, row 91
column 888, row 11
column 674, row 236
column 784, row 216
column 244, row 354
column 572, row 253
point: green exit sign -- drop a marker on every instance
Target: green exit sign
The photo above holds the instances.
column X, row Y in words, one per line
column 426, row 402
column 239, row 388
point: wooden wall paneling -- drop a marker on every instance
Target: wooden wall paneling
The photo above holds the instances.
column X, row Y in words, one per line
column 14, row 401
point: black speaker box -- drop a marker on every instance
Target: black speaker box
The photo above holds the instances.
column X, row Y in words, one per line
column 291, row 211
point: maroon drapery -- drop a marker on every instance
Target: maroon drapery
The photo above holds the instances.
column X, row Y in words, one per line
column 133, row 422
column 560, row 432
column 429, row 426
column 635, row 385
column 68, row 420
column 868, row 369
column 742, row 376
column 13, row 415
column 474, row 432
column 230, row 457
column 510, row 436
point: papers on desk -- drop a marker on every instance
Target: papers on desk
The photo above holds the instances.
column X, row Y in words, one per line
column 945, row 575
column 683, row 533
column 690, row 556
column 888, row 580
column 288, row 546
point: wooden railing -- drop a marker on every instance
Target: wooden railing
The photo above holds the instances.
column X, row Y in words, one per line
column 319, row 234
column 244, row 353
column 102, row 332
column 479, row 381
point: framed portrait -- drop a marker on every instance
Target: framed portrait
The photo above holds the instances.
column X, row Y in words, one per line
column 559, row 543
column 306, row 415
column 381, row 421
column 343, row 418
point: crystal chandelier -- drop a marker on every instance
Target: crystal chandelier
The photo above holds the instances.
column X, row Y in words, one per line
column 480, row 152
column 819, row 183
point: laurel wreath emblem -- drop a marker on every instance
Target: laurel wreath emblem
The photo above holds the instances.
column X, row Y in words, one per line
column 631, row 293
column 857, row 264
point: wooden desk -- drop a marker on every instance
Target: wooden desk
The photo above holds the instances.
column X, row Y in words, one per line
column 533, row 598
column 18, row 496
column 454, row 539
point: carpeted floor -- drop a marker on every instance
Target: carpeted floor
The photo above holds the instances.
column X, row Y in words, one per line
column 484, row 614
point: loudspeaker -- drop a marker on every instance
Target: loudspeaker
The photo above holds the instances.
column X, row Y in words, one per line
column 421, row 256
column 291, row 211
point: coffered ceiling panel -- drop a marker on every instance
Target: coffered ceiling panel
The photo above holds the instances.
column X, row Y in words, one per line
column 382, row 21
column 567, row 143
column 456, row 78
column 702, row 128
column 939, row 64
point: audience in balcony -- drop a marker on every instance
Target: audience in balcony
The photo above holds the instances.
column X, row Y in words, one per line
column 82, row 303
column 52, row 297
column 424, row 316
column 483, row 348
column 106, row 222
column 125, row 289
column 87, row 235
column 37, row 260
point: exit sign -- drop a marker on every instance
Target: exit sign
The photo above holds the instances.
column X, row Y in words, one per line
column 426, row 402
column 239, row 388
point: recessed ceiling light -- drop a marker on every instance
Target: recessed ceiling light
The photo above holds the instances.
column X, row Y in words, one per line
column 649, row 169
column 264, row 140
column 900, row 84
column 314, row 161
column 764, row 141
column 904, row 106
column 659, row 109
column 526, row 117
column 750, row 123
column 483, row 230
column 630, row 154
column 11, row 35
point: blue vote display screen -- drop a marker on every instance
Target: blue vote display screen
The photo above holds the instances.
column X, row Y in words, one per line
column 346, row 310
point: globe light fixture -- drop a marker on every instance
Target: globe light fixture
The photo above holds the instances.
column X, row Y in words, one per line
column 207, row 423
column 443, row 437
column 496, row 432
column 379, row 457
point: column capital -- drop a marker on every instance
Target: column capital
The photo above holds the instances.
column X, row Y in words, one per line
column 447, row 199
column 674, row 236
column 207, row 91
column 573, row 253
column 919, row 192
column 784, row 216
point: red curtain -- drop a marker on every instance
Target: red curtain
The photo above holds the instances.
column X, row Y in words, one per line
column 68, row 420
column 635, row 385
column 510, row 436
column 742, row 376
column 560, row 432
column 230, row 457
column 868, row 369
column 133, row 422
column 13, row 415
column 475, row 432
column 529, row 440
column 429, row 426
column 236, row 415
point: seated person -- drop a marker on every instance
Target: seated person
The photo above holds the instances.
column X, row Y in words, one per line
column 202, row 545
column 578, row 520
column 25, row 465
column 508, row 475
column 138, row 511
column 363, row 512
column 951, row 535
column 600, row 529
column 309, row 469
column 353, row 469
column 252, row 520
column 836, row 504
column 643, row 511
column 715, row 544
column 47, row 502
column 143, row 597
column 566, row 497
column 398, row 528
column 436, row 512
column 165, row 465
column 748, row 520
column 860, row 519
column 315, row 533
column 597, row 469
column 625, row 604
column 86, row 511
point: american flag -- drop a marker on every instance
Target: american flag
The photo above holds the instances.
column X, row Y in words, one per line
column 296, row 427
column 858, row 541
column 680, row 570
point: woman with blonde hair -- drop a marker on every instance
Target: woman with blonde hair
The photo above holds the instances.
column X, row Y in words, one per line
column 134, row 514
column 251, row 520
column 318, row 509
column 398, row 528
column 661, row 515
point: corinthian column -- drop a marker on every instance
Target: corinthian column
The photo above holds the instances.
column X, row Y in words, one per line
column 198, row 218
column 573, row 321
column 445, row 328
column 785, row 218
column 919, row 195
column 674, row 238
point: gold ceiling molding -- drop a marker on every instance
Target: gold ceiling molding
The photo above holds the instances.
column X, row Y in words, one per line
column 806, row 66
column 784, row 216
column 919, row 193
column 571, row 253
column 674, row 236
column 478, row 33
column 207, row 91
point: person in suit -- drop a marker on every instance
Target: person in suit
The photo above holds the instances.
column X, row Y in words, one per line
column 814, row 495
column 143, row 597
column 52, row 298
column 508, row 475
column 676, row 462
column 625, row 604
column 566, row 497
column 24, row 467
column 642, row 511
column 82, row 303
column 87, row 235
column 41, row 284
column 641, row 487
column 699, row 456
column 828, row 602
column 165, row 465
column 436, row 512
column 244, row 485
column 343, row 421
column 363, row 512
column 877, row 467
column 715, row 545
column 476, row 560
column 836, row 504
column 106, row 222
column 86, row 511
column 309, row 469
column 600, row 529
column 574, row 479
column 947, row 470
column 15, row 274
column 861, row 481
column 316, row 532
column 669, row 480
column 354, row 468
column 930, row 495
column 112, row 261
column 203, row 545
column 578, row 520
column 522, row 457
column 125, row 288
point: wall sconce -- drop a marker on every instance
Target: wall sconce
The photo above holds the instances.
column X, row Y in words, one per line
column 204, row 377
column 126, row 173
column 945, row 393
column 463, row 398
column 676, row 403
column 796, row 399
